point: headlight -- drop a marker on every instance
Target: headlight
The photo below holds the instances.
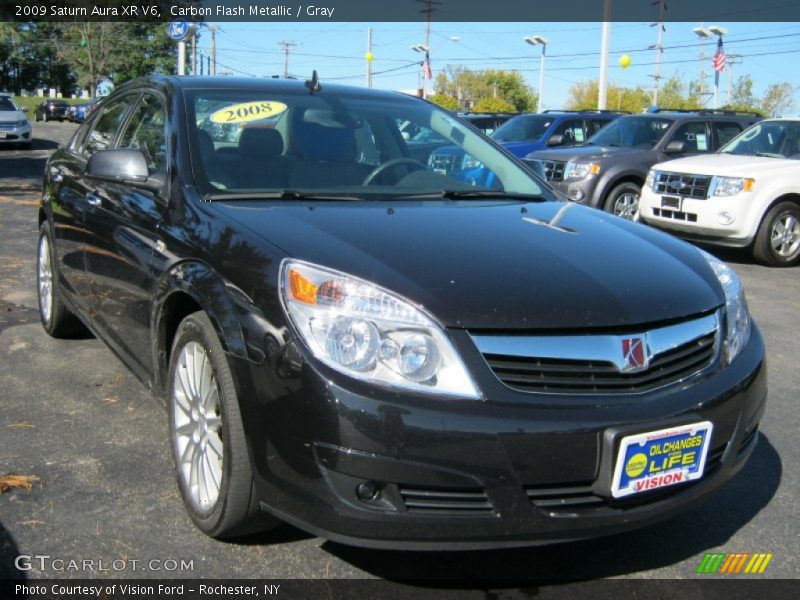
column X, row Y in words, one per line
column 730, row 186
column 580, row 170
column 470, row 162
column 651, row 178
column 22, row 123
column 737, row 318
column 369, row 333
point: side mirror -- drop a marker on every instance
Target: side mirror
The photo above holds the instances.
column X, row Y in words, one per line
column 25, row 109
column 675, row 147
column 125, row 165
column 555, row 140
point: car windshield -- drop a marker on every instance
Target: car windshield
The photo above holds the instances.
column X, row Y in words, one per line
column 631, row 132
column 775, row 139
column 338, row 144
column 7, row 104
column 524, row 128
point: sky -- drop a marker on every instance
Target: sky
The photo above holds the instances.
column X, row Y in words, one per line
column 769, row 52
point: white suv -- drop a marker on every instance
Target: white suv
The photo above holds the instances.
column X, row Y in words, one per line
column 747, row 194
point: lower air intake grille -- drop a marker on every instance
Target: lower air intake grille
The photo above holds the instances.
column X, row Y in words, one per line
column 468, row 501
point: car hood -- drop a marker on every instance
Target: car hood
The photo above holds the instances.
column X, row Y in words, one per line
column 581, row 153
column 730, row 165
column 13, row 116
column 519, row 149
column 491, row 265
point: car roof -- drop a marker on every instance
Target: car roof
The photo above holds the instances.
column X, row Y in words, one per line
column 256, row 84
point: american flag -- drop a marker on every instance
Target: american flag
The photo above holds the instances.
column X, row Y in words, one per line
column 426, row 67
column 718, row 60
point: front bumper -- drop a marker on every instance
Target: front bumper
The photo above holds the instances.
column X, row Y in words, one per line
column 726, row 221
column 15, row 135
column 578, row 190
column 512, row 469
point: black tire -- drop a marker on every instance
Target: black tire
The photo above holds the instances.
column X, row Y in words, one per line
column 62, row 323
column 234, row 512
column 763, row 249
column 615, row 196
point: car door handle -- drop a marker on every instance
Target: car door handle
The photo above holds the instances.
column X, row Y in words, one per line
column 93, row 200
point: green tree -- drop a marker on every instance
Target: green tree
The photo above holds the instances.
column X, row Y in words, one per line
column 445, row 101
column 493, row 105
column 778, row 99
column 742, row 92
column 469, row 87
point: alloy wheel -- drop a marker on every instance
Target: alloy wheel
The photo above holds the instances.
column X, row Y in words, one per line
column 627, row 206
column 785, row 236
column 197, row 434
column 45, row 277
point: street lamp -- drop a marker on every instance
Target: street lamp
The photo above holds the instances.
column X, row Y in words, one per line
column 538, row 40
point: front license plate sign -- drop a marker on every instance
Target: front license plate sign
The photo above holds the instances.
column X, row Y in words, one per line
column 672, row 202
column 657, row 459
column 2, row 135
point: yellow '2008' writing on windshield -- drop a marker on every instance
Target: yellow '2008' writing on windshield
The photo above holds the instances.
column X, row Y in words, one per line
column 248, row 111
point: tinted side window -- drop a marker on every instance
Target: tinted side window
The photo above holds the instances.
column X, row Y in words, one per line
column 596, row 125
column 105, row 126
column 694, row 135
column 145, row 132
column 572, row 130
column 726, row 132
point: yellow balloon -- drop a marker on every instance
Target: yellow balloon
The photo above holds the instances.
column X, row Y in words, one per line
column 369, row 57
column 624, row 61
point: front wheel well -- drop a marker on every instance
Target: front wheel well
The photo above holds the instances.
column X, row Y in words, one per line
column 638, row 180
column 176, row 308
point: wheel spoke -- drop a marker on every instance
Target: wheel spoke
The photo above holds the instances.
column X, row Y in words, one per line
column 214, row 471
column 186, row 430
column 215, row 443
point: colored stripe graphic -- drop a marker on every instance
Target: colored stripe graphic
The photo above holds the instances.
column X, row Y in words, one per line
column 734, row 563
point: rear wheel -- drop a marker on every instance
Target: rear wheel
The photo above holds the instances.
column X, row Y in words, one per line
column 777, row 242
column 57, row 320
column 623, row 201
column 208, row 442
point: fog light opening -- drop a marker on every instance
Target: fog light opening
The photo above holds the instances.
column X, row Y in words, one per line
column 725, row 218
column 367, row 491
column 577, row 195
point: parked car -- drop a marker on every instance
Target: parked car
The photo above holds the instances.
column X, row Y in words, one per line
column 77, row 113
column 449, row 159
column 14, row 125
column 381, row 354
column 608, row 171
column 50, row 110
column 746, row 195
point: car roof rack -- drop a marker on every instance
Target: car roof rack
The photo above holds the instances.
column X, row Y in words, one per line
column 710, row 111
column 595, row 111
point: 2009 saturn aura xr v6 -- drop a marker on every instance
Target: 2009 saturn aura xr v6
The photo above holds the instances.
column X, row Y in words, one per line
column 378, row 353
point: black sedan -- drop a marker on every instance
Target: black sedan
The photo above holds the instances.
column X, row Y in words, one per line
column 51, row 110
column 381, row 354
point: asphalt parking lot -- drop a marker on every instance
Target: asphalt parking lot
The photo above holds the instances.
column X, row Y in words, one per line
column 72, row 416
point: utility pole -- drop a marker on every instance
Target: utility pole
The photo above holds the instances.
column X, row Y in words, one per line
column 730, row 60
column 659, row 50
column 602, row 84
column 369, row 57
column 212, row 68
column 286, row 47
column 194, row 50
column 428, row 10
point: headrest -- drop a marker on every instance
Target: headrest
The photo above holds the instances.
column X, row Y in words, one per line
column 260, row 142
column 321, row 137
column 206, row 145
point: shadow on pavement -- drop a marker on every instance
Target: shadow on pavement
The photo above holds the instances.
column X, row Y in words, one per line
column 706, row 526
column 8, row 552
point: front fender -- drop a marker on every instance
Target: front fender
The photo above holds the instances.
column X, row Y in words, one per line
column 609, row 179
column 210, row 292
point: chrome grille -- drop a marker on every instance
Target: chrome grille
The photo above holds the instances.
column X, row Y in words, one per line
column 8, row 125
column 554, row 169
column 596, row 363
column 453, row 501
column 682, row 184
column 443, row 162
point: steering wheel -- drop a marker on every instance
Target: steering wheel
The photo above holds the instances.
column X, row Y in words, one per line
column 389, row 164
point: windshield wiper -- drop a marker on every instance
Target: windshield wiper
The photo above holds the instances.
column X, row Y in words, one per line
column 281, row 195
column 467, row 194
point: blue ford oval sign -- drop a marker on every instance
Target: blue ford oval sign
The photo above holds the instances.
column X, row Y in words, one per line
column 178, row 29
